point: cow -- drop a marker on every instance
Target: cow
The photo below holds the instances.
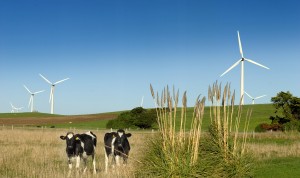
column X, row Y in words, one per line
column 80, row 146
column 116, row 146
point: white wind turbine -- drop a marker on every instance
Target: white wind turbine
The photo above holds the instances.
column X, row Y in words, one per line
column 30, row 104
column 255, row 97
column 142, row 102
column 242, row 67
column 15, row 109
column 51, row 99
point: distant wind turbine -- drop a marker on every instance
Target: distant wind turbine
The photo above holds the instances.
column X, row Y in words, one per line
column 51, row 99
column 15, row 109
column 30, row 104
column 142, row 102
column 242, row 67
column 255, row 97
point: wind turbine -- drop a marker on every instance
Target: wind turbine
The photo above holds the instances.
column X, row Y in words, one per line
column 255, row 97
column 31, row 97
column 242, row 67
column 51, row 99
column 142, row 102
column 15, row 108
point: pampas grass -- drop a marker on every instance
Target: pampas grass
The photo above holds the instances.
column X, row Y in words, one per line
column 188, row 153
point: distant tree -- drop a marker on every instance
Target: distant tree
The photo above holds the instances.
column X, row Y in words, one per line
column 287, row 109
column 136, row 118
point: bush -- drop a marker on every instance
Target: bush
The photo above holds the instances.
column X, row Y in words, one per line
column 293, row 125
column 269, row 127
column 136, row 118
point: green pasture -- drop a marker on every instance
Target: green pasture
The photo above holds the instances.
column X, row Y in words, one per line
column 27, row 114
column 260, row 114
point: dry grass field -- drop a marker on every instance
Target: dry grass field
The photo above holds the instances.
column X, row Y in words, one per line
column 29, row 153
column 41, row 153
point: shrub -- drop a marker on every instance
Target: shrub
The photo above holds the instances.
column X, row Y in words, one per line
column 293, row 125
column 136, row 118
column 269, row 127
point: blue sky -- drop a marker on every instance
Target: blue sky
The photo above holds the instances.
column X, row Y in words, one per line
column 112, row 50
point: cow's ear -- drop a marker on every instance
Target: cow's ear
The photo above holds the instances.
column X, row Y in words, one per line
column 128, row 135
column 62, row 137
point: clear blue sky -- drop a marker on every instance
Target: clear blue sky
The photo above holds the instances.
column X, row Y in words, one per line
column 112, row 50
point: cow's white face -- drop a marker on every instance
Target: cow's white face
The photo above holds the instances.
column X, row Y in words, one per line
column 120, row 134
column 70, row 135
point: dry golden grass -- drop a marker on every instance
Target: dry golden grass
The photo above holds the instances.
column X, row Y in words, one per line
column 277, row 145
column 41, row 153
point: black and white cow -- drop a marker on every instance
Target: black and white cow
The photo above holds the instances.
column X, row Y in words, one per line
column 117, row 146
column 80, row 146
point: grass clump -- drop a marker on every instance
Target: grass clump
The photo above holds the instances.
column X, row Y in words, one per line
column 192, row 153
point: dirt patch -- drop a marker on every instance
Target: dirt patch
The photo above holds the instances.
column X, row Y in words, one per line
column 55, row 119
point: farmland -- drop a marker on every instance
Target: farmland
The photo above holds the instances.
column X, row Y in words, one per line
column 31, row 151
column 260, row 114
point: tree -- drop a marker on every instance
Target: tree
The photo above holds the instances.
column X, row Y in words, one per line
column 137, row 117
column 287, row 111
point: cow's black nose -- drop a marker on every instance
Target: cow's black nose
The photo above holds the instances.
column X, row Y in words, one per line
column 70, row 147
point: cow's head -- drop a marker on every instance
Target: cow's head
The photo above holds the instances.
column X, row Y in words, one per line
column 121, row 142
column 70, row 140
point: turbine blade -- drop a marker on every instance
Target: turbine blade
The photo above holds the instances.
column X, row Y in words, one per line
column 253, row 62
column 39, row 92
column 61, row 81
column 240, row 44
column 27, row 89
column 248, row 95
column 46, row 79
column 235, row 64
column 260, row 96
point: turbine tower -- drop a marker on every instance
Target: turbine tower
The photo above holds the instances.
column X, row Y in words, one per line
column 30, row 104
column 51, row 99
column 242, row 67
column 255, row 97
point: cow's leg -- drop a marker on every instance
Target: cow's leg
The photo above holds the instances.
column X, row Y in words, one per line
column 118, row 160
column 106, row 161
column 85, row 165
column 70, row 163
column 77, row 161
column 94, row 162
column 70, row 166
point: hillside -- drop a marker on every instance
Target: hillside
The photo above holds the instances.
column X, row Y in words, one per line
column 260, row 114
column 49, row 119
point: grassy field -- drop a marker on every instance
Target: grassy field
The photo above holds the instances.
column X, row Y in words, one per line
column 260, row 114
column 26, row 148
column 41, row 153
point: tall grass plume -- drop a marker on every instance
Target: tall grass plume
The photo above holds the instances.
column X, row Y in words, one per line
column 182, row 152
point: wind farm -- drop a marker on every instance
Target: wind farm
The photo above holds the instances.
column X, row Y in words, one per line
column 241, row 62
column 15, row 109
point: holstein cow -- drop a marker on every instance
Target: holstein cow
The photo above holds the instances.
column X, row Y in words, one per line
column 116, row 146
column 80, row 146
